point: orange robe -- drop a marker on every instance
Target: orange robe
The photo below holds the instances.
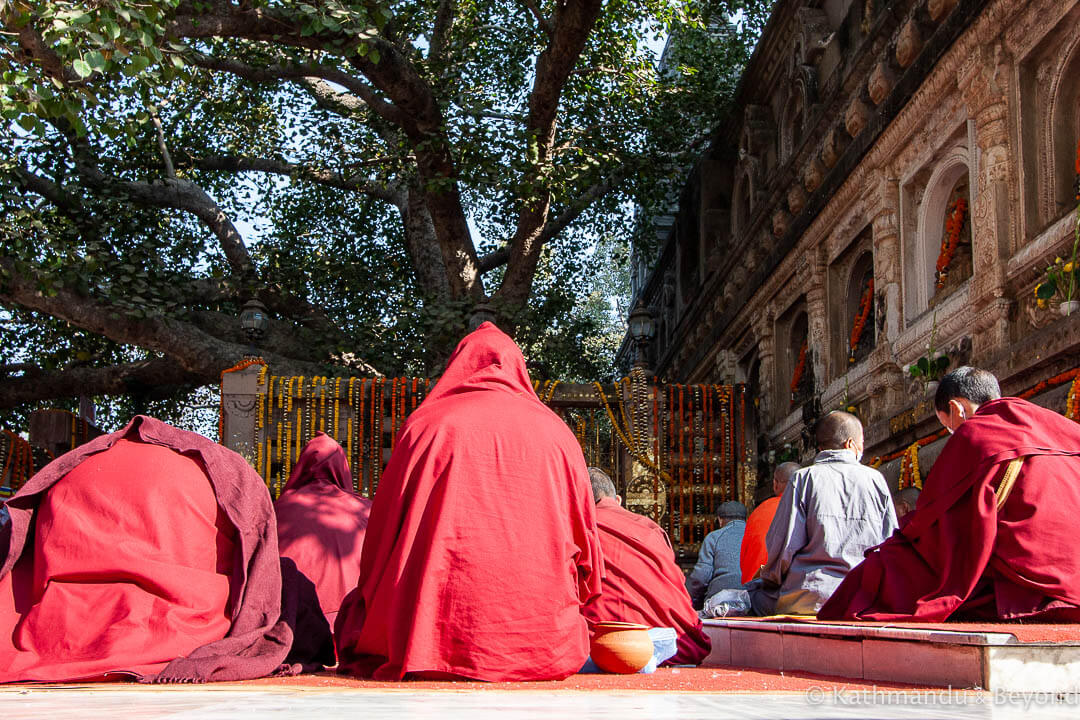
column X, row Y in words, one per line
column 753, row 554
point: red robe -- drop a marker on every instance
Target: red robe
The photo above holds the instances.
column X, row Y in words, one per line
column 151, row 551
column 482, row 545
column 642, row 583
column 321, row 522
column 754, row 554
column 957, row 555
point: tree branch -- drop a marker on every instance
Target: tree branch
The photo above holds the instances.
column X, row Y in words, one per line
column 323, row 176
column 572, row 23
column 183, row 195
column 542, row 22
column 495, row 259
column 160, row 374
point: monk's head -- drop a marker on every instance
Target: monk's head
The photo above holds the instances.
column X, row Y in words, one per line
column 904, row 501
column 961, row 392
column 729, row 512
column 602, row 487
column 840, row 430
column 782, row 476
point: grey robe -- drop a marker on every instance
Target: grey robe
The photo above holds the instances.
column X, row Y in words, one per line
column 717, row 565
column 829, row 515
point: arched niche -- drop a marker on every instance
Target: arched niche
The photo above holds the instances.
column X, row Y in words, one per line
column 860, row 305
column 792, row 127
column 948, row 184
column 1064, row 132
column 796, row 382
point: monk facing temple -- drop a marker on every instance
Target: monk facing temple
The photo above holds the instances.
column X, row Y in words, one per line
column 717, row 566
column 642, row 583
column 829, row 515
column 321, row 521
column 753, row 555
column 152, row 553
column 482, row 546
column 904, row 502
column 993, row 535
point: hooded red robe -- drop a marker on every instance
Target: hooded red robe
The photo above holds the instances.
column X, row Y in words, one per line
column 958, row 556
column 642, row 584
column 482, row 545
column 321, row 521
column 150, row 552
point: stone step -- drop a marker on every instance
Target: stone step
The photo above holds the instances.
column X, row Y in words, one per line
column 999, row 657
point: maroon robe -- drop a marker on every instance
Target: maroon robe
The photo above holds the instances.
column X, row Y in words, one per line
column 321, row 521
column 642, row 584
column 150, row 552
column 956, row 555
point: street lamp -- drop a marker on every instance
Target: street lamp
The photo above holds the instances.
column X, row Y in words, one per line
column 254, row 320
column 642, row 328
column 482, row 313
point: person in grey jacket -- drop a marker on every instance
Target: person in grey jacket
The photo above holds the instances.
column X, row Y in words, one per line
column 717, row 565
column 829, row 515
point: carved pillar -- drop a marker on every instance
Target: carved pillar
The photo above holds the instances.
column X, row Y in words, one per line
column 887, row 261
column 817, row 320
column 240, row 393
column 766, row 342
column 984, row 84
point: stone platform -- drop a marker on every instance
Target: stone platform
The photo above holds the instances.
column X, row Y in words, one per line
column 1002, row 657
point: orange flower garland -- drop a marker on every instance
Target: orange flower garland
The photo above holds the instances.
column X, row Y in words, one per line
column 953, row 227
column 860, row 319
column 800, row 369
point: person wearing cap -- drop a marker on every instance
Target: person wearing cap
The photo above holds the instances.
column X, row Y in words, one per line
column 717, row 565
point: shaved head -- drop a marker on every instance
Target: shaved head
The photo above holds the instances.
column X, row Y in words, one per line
column 836, row 429
column 602, row 487
column 904, row 501
column 782, row 476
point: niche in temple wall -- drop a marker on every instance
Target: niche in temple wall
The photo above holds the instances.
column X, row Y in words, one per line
column 936, row 228
column 1049, row 122
column 852, row 305
column 795, row 364
column 716, row 190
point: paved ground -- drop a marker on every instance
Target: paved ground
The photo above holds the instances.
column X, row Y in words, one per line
column 329, row 698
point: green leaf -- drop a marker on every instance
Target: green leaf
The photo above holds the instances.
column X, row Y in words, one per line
column 82, row 68
column 95, row 60
column 1046, row 290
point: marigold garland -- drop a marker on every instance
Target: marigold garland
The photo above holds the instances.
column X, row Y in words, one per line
column 1072, row 400
column 800, row 370
column 909, row 468
column 954, row 225
column 860, row 319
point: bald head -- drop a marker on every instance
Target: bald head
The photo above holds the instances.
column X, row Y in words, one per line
column 782, row 476
column 905, row 500
column 602, row 487
column 839, row 430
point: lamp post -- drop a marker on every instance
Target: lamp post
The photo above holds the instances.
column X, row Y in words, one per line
column 254, row 320
column 642, row 328
column 482, row 312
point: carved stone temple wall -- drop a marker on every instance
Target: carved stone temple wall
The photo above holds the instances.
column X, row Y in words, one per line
column 867, row 135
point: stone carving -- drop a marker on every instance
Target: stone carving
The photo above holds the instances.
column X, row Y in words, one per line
column 813, row 175
column 880, row 83
column 856, row 118
column 938, row 9
column 813, row 35
column 908, row 43
column 796, row 199
column 780, row 222
column 831, row 148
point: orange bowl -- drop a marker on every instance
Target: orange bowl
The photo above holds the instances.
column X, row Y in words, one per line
column 620, row 647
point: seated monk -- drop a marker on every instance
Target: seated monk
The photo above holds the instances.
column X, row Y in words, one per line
column 993, row 535
column 150, row 552
column 642, row 584
column 752, row 554
column 905, row 501
column 717, row 566
column 829, row 515
column 321, row 521
column 482, row 545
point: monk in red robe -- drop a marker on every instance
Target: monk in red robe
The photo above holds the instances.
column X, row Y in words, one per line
column 753, row 553
column 642, row 583
column 150, row 553
column 482, row 546
column 321, row 522
column 993, row 534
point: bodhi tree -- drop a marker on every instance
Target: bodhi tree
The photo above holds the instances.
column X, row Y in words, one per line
column 370, row 171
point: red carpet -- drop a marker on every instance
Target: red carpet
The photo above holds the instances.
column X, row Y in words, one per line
column 731, row 680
